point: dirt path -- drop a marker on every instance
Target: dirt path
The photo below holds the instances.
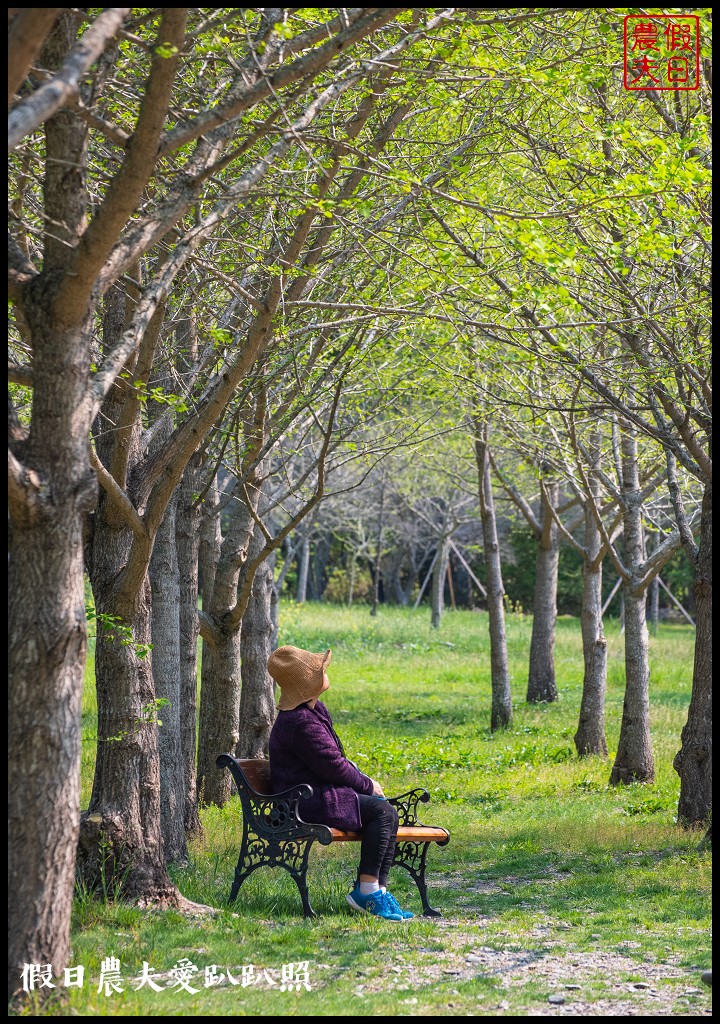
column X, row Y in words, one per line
column 573, row 984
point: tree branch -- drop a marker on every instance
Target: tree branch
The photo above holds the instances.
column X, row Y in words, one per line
column 686, row 536
column 118, row 497
column 26, row 493
column 28, row 114
column 244, row 96
column 28, row 31
column 20, row 270
column 533, row 522
column 138, row 163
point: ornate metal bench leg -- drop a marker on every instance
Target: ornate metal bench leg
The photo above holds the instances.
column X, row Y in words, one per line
column 295, row 860
column 240, row 877
column 412, row 856
column 301, row 882
column 251, row 850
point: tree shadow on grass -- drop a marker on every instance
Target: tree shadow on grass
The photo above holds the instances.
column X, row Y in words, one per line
column 599, row 885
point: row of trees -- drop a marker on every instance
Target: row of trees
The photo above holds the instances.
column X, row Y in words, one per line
column 253, row 255
column 332, row 555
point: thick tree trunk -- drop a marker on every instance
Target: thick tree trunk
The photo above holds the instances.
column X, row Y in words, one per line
column 693, row 762
column 257, row 698
column 437, row 587
column 121, row 847
column 501, row 713
column 46, row 680
column 165, row 585
column 590, row 735
column 634, row 759
column 541, row 676
column 45, row 670
column 187, row 541
column 47, row 637
column 187, row 535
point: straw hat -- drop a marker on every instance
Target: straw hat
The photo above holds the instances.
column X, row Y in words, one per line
column 299, row 674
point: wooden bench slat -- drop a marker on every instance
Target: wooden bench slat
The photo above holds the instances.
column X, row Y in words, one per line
column 406, row 832
column 257, row 773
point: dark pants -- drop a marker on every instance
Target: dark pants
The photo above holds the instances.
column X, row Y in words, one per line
column 379, row 825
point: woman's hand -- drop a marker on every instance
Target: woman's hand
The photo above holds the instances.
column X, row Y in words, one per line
column 377, row 788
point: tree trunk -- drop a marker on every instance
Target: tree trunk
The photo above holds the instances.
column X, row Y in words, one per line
column 221, row 679
column 47, row 636
column 437, row 589
column 653, row 599
column 401, row 597
column 46, row 670
column 541, row 676
column 165, row 585
column 303, row 569
column 451, row 588
column 501, row 713
column 275, row 611
column 210, row 542
column 187, row 535
column 412, row 576
column 288, row 558
column 219, row 714
column 634, row 759
column 653, row 612
column 590, row 735
column 693, row 762
column 257, row 698
column 378, row 551
column 121, row 849
column 317, row 579
column 351, row 578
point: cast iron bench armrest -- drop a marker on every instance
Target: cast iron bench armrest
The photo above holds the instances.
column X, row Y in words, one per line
column 406, row 806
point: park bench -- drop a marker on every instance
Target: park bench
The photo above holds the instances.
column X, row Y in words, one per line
column 274, row 834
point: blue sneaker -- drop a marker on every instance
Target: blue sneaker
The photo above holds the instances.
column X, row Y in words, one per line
column 396, row 908
column 375, row 903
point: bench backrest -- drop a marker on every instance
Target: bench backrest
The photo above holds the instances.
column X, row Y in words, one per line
column 257, row 772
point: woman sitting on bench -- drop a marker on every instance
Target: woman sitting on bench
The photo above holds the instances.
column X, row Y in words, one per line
column 304, row 748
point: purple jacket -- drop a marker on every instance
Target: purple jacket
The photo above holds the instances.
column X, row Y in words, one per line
column 304, row 748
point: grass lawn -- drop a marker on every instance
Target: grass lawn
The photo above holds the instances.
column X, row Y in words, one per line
column 553, row 886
